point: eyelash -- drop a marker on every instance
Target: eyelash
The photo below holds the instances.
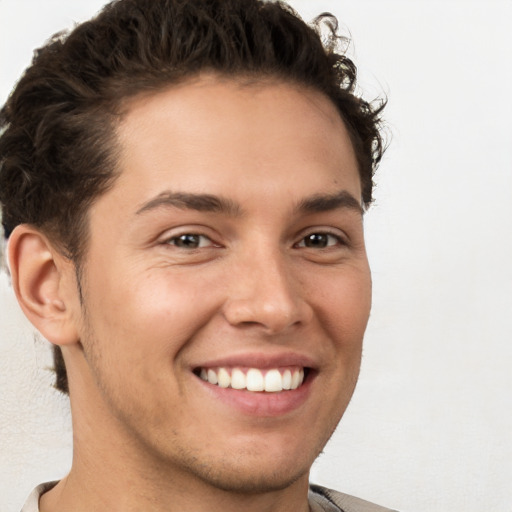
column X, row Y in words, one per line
column 176, row 239
column 338, row 240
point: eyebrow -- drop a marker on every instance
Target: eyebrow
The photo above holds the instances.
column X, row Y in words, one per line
column 327, row 202
column 189, row 201
column 211, row 203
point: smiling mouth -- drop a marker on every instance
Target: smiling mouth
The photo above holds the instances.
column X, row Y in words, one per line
column 272, row 380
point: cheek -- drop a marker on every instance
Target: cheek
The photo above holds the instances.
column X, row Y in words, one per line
column 155, row 310
column 345, row 299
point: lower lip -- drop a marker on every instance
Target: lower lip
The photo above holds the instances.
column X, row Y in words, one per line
column 260, row 403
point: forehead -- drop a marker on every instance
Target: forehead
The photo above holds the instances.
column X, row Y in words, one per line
column 206, row 92
column 221, row 136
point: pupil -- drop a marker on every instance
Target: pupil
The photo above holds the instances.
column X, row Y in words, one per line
column 316, row 240
column 191, row 241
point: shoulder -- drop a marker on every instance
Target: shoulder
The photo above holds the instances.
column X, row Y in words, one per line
column 324, row 498
column 32, row 502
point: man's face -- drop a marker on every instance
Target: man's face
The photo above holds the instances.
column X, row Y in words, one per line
column 230, row 248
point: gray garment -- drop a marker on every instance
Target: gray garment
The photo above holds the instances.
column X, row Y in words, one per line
column 327, row 500
column 320, row 500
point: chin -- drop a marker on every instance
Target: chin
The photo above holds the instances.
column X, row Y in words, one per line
column 250, row 481
column 251, row 468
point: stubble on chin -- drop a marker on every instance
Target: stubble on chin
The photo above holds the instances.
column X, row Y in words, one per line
column 238, row 476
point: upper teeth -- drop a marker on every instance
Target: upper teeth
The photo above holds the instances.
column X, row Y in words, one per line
column 253, row 379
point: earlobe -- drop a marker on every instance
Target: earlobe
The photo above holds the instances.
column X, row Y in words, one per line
column 41, row 278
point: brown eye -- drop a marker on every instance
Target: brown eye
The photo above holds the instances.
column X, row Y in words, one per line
column 319, row 241
column 190, row 241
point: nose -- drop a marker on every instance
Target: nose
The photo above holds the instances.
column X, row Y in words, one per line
column 265, row 292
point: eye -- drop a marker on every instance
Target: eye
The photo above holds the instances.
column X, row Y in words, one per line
column 320, row 241
column 190, row 241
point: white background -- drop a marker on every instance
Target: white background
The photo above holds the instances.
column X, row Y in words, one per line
column 430, row 425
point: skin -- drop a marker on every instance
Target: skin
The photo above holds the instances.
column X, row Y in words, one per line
column 149, row 434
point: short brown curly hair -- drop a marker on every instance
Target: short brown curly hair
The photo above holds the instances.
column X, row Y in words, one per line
column 57, row 136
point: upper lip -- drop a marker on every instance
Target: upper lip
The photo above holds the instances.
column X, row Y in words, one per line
column 259, row 360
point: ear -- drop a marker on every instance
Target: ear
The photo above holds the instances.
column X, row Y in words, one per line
column 45, row 284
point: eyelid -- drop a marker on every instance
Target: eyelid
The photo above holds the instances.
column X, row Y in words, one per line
column 175, row 238
column 336, row 233
column 200, row 231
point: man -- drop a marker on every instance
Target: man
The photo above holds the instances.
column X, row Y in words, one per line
column 182, row 185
